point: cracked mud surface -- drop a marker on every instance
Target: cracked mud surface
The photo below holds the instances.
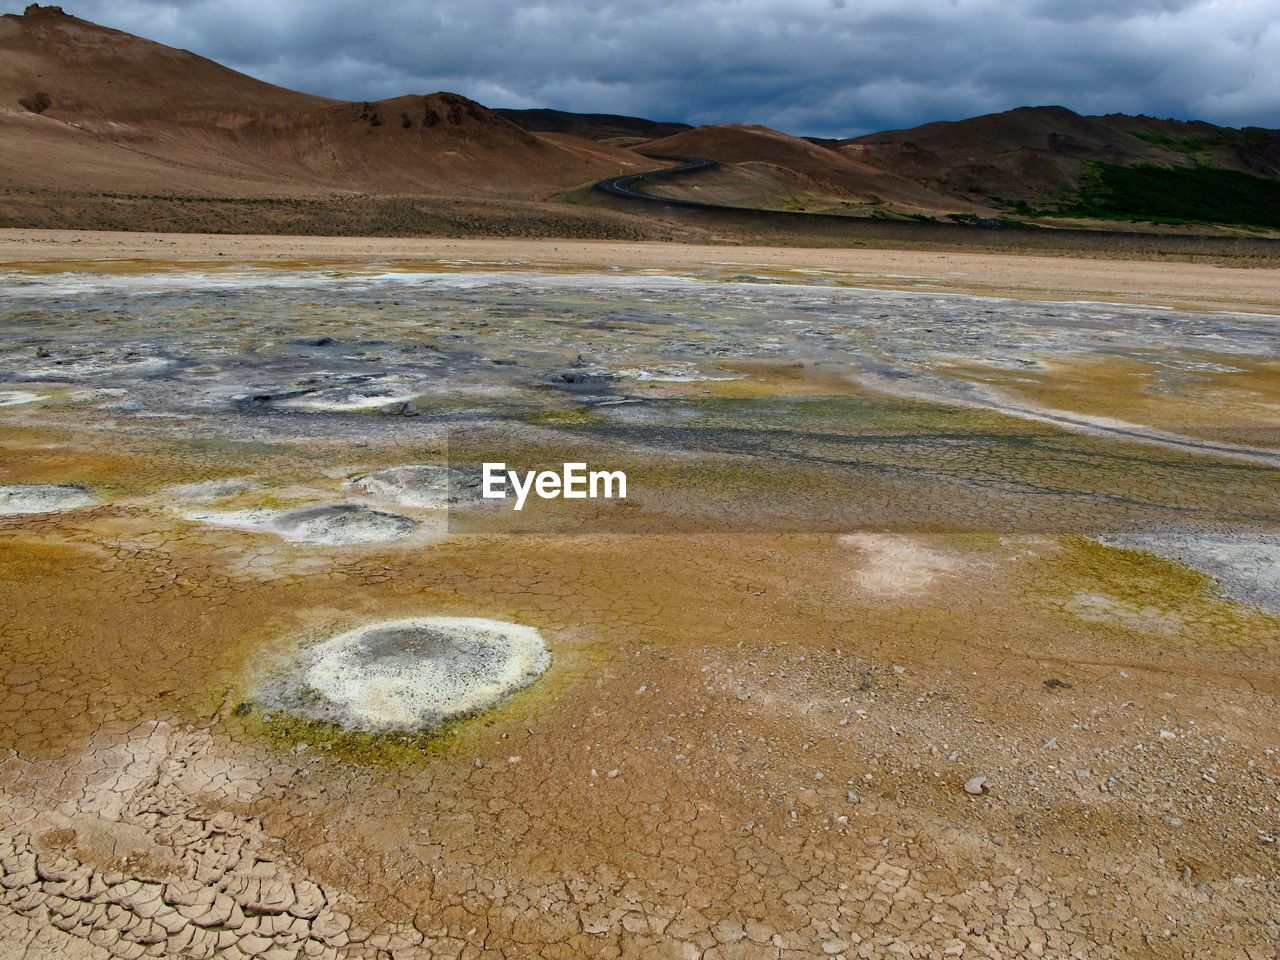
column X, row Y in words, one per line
column 838, row 593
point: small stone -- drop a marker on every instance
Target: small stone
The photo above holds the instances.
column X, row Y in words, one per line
column 898, row 669
column 976, row 786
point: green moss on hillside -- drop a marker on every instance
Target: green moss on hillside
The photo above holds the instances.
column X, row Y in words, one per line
column 1196, row 194
column 1249, row 141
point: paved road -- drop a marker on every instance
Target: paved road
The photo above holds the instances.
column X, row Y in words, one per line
column 628, row 186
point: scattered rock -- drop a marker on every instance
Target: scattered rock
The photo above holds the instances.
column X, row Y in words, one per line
column 578, row 378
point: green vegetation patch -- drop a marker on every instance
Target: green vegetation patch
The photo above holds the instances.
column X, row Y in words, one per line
column 1252, row 141
column 395, row 748
column 1196, row 194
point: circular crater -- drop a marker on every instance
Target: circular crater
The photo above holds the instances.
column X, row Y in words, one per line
column 340, row 523
column 328, row 524
column 409, row 674
column 24, row 498
column 348, row 399
column 422, row 485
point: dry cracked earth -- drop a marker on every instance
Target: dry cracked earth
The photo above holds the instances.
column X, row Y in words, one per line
column 930, row 626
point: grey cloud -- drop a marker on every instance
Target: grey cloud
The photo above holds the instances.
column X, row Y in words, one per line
column 825, row 67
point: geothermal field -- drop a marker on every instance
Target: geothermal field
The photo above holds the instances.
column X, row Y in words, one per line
column 929, row 625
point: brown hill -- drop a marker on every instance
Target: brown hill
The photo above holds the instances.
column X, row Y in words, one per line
column 87, row 108
column 1037, row 154
column 762, row 167
column 606, row 127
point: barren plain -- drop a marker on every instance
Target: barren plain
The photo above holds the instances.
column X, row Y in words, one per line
column 940, row 620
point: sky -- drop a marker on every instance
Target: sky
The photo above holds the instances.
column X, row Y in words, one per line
column 809, row 67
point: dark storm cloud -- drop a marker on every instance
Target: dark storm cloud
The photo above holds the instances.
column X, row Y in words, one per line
column 827, row 67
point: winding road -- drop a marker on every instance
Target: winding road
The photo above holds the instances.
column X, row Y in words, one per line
column 625, row 186
column 628, row 186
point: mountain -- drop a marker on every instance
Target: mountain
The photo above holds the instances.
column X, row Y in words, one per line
column 86, row 108
column 606, row 127
column 1037, row 154
column 1050, row 161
